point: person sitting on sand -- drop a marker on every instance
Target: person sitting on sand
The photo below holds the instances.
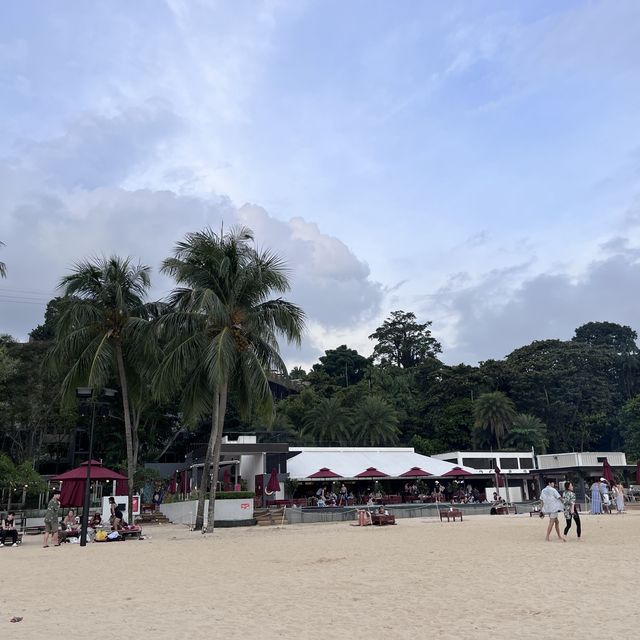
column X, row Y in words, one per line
column 96, row 520
column 8, row 530
column 117, row 516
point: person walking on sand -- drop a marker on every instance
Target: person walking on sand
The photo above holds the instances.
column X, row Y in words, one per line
column 51, row 520
column 618, row 492
column 571, row 510
column 596, row 498
column 553, row 507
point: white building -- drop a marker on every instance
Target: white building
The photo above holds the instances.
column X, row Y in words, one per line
column 583, row 459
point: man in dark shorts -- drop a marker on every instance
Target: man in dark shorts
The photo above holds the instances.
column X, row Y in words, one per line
column 51, row 520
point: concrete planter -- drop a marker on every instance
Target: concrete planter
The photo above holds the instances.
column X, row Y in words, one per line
column 228, row 513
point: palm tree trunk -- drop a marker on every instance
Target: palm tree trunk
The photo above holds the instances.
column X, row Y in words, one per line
column 128, row 430
column 204, row 480
column 215, row 462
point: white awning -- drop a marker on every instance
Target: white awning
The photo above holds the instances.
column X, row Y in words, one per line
column 348, row 462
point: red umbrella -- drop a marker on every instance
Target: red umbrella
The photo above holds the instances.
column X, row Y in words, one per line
column 184, row 482
column 371, row 472
column 173, row 485
column 499, row 477
column 324, row 473
column 415, row 472
column 98, row 472
column 273, row 485
column 607, row 472
column 455, row 472
column 638, row 472
column 73, row 482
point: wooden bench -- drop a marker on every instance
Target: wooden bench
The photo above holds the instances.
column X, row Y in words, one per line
column 382, row 519
column 451, row 513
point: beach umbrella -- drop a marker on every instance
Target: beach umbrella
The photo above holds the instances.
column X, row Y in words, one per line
column 371, row 472
column 184, row 482
column 455, row 473
column 415, row 472
column 73, row 482
column 273, row 485
column 172, row 484
column 607, row 472
column 499, row 478
column 638, row 472
column 324, row 473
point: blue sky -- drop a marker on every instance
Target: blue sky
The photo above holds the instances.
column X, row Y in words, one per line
column 477, row 163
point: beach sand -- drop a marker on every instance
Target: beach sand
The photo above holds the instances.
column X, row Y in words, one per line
column 487, row 577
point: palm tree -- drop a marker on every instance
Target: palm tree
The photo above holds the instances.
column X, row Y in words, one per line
column 494, row 411
column 100, row 334
column 376, row 423
column 222, row 332
column 328, row 422
column 3, row 266
column 528, row 431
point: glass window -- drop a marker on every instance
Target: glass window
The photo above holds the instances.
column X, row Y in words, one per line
column 526, row 463
column 508, row 463
column 479, row 463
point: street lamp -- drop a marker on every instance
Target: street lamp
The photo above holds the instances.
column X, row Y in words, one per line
column 85, row 395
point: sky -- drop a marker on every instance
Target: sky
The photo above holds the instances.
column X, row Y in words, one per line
column 477, row 163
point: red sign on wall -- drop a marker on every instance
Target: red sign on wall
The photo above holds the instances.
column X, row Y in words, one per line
column 245, row 505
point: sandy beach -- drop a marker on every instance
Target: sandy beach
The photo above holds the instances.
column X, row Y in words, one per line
column 488, row 577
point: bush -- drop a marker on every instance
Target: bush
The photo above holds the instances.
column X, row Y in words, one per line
column 234, row 495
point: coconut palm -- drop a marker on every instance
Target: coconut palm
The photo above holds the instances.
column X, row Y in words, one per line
column 494, row 411
column 528, row 431
column 328, row 422
column 221, row 333
column 100, row 333
column 376, row 423
column 3, row 266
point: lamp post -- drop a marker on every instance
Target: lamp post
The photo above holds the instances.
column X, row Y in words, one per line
column 86, row 394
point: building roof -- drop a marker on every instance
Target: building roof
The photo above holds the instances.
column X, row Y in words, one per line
column 350, row 462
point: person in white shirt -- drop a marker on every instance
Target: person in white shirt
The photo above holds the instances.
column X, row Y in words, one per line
column 552, row 506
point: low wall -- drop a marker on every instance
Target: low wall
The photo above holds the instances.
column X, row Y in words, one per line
column 415, row 510
column 234, row 512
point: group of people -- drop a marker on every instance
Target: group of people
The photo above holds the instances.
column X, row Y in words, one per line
column 556, row 506
column 601, row 494
column 328, row 498
column 60, row 531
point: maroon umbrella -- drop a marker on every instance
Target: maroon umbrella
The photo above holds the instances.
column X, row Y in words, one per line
column 638, row 472
column 324, row 473
column 371, row 472
column 184, row 482
column 173, row 484
column 273, row 485
column 499, row 477
column 607, row 472
column 98, row 472
column 73, row 482
column 455, row 472
column 415, row 472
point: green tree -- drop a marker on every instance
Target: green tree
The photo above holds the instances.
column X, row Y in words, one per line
column 630, row 422
column 527, row 431
column 343, row 366
column 375, row 422
column 621, row 338
column 47, row 330
column 403, row 342
column 328, row 423
column 221, row 333
column 494, row 412
column 101, row 334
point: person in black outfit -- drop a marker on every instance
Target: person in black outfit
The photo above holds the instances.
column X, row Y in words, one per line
column 8, row 529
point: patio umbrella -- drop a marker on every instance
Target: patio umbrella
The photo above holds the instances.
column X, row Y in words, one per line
column 184, row 482
column 371, row 472
column 273, row 485
column 173, row 484
column 73, row 482
column 456, row 472
column 415, row 472
column 607, row 472
column 638, row 472
column 324, row 473
column 499, row 477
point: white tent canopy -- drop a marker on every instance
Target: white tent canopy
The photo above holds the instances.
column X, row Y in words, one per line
column 348, row 462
